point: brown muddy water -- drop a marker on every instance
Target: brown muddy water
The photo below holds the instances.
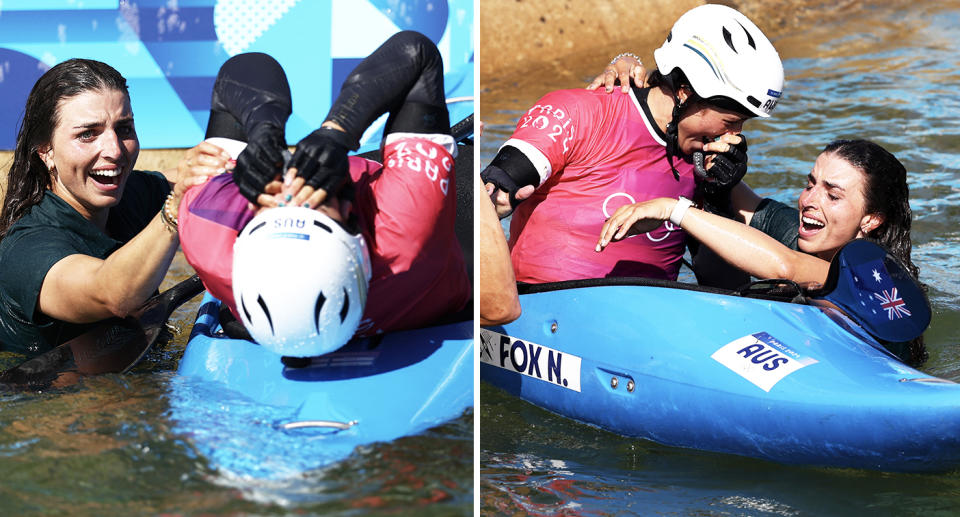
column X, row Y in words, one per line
column 109, row 446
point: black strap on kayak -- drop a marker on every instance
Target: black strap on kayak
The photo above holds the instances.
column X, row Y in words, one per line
column 523, row 288
column 775, row 289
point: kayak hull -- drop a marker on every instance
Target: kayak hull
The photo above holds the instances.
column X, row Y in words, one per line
column 372, row 390
column 785, row 382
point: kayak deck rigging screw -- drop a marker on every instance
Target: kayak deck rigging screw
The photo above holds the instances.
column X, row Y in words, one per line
column 614, row 382
column 630, row 386
column 553, row 327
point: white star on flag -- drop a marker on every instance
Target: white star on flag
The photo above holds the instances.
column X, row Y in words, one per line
column 876, row 275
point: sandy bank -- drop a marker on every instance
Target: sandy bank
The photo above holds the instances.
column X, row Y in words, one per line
column 520, row 41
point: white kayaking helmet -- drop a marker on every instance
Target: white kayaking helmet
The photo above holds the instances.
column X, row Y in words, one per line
column 723, row 54
column 300, row 281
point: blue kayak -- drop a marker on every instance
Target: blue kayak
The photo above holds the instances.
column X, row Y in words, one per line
column 699, row 368
column 250, row 415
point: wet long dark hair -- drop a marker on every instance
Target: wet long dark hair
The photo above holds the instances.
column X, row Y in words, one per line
column 29, row 177
column 886, row 192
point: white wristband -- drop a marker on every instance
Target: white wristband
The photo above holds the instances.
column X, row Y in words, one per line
column 679, row 210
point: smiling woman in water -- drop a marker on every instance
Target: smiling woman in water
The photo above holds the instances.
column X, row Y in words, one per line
column 856, row 189
column 84, row 236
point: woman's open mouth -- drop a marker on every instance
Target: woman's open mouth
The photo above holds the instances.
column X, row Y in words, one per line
column 810, row 226
column 107, row 177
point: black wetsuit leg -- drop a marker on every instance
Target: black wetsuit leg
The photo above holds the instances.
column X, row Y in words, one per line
column 403, row 77
column 250, row 89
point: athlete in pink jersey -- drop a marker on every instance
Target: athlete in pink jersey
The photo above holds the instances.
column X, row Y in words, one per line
column 587, row 153
column 594, row 153
column 418, row 270
column 404, row 209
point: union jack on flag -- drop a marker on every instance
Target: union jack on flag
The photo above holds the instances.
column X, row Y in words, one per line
column 893, row 304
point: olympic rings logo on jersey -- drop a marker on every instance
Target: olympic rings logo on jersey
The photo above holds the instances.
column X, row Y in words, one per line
column 668, row 227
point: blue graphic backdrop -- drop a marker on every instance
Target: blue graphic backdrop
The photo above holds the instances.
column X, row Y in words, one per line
column 170, row 51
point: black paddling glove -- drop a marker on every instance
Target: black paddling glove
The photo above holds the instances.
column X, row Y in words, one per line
column 321, row 159
column 502, row 181
column 403, row 77
column 509, row 171
column 261, row 161
column 251, row 102
column 726, row 171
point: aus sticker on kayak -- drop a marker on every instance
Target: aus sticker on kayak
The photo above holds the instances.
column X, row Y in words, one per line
column 530, row 359
column 761, row 359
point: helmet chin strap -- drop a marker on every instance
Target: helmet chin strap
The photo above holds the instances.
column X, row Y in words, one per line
column 673, row 144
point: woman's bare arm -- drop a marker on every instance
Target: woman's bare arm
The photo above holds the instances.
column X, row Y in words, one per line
column 742, row 246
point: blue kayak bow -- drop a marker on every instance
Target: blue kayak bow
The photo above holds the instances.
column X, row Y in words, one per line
column 876, row 291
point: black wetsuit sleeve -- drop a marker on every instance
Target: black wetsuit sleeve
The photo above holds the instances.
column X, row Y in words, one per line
column 778, row 221
column 510, row 170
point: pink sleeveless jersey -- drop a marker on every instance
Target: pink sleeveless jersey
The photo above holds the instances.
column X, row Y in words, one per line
column 406, row 210
column 595, row 152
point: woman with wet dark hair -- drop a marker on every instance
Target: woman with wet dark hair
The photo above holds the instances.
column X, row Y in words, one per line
column 856, row 189
column 83, row 237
